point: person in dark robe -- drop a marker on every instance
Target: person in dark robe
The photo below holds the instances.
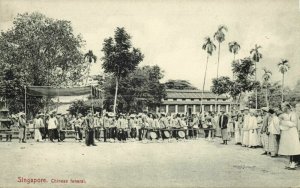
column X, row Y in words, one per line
column 223, row 122
column 89, row 132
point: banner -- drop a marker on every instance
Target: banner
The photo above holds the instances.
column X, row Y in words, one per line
column 52, row 91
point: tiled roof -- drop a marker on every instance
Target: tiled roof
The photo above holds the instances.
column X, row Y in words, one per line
column 191, row 94
column 196, row 102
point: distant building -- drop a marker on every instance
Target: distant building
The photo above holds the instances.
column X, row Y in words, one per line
column 189, row 101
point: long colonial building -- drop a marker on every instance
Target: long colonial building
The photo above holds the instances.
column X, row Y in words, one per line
column 189, row 101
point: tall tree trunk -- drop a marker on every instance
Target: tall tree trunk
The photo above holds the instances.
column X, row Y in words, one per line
column 255, row 87
column 89, row 69
column 267, row 101
column 116, row 93
column 204, row 82
column 233, row 78
column 217, row 75
column 282, row 98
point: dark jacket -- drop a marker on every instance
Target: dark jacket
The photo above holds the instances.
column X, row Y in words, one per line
column 223, row 125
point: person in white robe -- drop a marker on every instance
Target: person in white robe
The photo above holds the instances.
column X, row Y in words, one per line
column 245, row 133
column 238, row 130
column 38, row 123
column 289, row 139
column 253, row 136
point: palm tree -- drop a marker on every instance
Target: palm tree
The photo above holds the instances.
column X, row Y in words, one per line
column 283, row 66
column 256, row 56
column 266, row 77
column 91, row 58
column 220, row 37
column 234, row 48
column 209, row 47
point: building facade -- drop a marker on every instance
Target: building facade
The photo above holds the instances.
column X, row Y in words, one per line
column 192, row 101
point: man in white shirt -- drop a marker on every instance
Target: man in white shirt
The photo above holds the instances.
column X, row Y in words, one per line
column 52, row 127
column 274, row 131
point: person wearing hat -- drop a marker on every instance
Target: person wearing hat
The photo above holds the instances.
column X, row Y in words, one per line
column 106, row 126
column 274, row 131
column 22, row 128
column 98, row 125
column 253, row 136
column 164, row 124
column 78, row 126
column 52, row 127
column 89, row 130
column 264, row 130
column 38, row 124
column 289, row 144
column 122, row 126
column 61, row 126
column 132, row 124
column 223, row 123
column 245, row 134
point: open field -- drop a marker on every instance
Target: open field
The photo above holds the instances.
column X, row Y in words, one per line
column 192, row 163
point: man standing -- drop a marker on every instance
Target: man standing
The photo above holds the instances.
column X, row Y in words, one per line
column 38, row 124
column 274, row 133
column 61, row 126
column 52, row 127
column 246, row 122
column 89, row 132
column 264, row 131
column 22, row 128
column 223, row 122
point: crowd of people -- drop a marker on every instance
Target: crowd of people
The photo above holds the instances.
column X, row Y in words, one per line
column 274, row 130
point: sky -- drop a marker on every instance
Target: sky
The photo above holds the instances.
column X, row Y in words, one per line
column 171, row 33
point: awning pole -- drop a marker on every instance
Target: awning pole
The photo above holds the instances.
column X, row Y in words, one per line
column 25, row 104
column 92, row 100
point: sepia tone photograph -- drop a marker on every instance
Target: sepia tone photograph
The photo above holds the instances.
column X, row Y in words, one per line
column 149, row 93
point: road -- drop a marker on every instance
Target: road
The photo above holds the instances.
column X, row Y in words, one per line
column 192, row 163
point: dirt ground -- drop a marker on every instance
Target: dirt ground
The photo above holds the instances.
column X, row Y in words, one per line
column 192, row 163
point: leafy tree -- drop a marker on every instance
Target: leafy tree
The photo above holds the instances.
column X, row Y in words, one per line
column 120, row 58
column 179, row 84
column 221, row 85
column 274, row 95
column 244, row 82
column 209, row 47
column 220, row 37
column 32, row 51
column 256, row 56
column 79, row 107
column 283, row 67
column 294, row 95
column 139, row 89
column 91, row 58
column 266, row 77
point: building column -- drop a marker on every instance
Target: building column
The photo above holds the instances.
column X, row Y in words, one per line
column 211, row 107
column 226, row 108
column 202, row 108
column 185, row 108
column 167, row 108
column 219, row 108
column 176, row 108
column 194, row 108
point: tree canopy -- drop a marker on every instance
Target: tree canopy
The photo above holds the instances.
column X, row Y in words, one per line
column 32, row 52
column 137, row 90
column 179, row 84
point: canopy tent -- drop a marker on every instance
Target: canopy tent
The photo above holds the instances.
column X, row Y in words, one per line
column 50, row 91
